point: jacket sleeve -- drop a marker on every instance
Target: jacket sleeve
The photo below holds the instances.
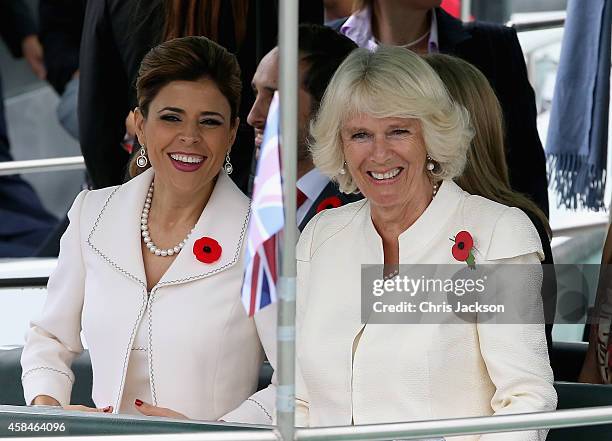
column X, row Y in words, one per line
column 515, row 353
column 53, row 340
column 303, row 256
column 259, row 408
column 103, row 94
column 525, row 154
column 16, row 23
column 302, row 402
column 61, row 22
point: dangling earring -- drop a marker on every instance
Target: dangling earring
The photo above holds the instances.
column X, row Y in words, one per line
column 431, row 164
column 342, row 171
column 142, row 160
column 228, row 167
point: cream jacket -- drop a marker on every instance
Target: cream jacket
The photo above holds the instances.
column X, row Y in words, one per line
column 410, row 372
column 205, row 353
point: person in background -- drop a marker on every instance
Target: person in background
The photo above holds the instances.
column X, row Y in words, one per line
column 158, row 298
column 25, row 222
column 422, row 26
column 117, row 34
column 388, row 127
column 486, row 171
column 18, row 30
column 336, row 9
column 597, row 365
column 61, row 25
column 321, row 50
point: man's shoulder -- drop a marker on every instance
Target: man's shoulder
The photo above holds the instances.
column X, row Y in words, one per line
column 495, row 32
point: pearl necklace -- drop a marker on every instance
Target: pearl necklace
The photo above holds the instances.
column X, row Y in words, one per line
column 146, row 237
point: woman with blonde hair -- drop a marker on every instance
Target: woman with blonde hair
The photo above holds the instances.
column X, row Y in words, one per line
column 388, row 127
column 423, row 26
column 486, row 169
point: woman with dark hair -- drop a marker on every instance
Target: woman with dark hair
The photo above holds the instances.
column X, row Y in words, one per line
column 151, row 271
column 116, row 36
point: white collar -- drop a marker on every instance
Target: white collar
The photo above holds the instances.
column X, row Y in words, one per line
column 358, row 28
column 442, row 209
column 312, row 183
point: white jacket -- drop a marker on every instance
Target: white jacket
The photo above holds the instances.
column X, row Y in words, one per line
column 407, row 372
column 205, row 353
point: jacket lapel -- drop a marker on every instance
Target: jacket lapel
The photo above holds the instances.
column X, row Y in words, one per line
column 451, row 31
column 224, row 219
column 115, row 235
column 116, row 238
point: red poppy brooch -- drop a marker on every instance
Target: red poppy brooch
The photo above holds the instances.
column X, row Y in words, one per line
column 462, row 250
column 330, row 202
column 207, row 250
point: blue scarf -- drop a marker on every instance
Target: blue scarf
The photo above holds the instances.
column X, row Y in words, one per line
column 577, row 141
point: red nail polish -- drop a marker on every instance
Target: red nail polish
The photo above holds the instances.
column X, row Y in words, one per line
column 138, row 402
column 107, row 409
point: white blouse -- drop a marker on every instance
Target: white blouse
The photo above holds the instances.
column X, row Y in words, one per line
column 137, row 384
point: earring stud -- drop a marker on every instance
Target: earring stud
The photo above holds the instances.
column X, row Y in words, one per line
column 430, row 163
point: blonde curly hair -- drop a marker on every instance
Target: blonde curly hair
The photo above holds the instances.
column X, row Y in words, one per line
column 390, row 82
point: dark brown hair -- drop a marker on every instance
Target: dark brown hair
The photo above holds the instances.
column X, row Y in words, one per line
column 201, row 17
column 187, row 59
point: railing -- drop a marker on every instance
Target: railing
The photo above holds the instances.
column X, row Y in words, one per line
column 42, row 165
column 591, row 226
column 229, row 435
column 406, row 431
column 536, row 25
column 24, row 282
column 462, row 426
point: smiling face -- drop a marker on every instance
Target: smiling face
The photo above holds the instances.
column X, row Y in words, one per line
column 187, row 132
column 386, row 158
column 265, row 83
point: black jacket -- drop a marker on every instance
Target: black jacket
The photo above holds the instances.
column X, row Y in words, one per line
column 495, row 50
column 330, row 197
column 116, row 36
column 16, row 23
column 61, row 24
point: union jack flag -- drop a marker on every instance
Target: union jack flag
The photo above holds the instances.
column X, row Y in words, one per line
column 267, row 220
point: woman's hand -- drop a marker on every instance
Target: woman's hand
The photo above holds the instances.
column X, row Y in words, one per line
column 45, row 400
column 107, row 409
column 150, row 410
column 33, row 53
column 590, row 369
